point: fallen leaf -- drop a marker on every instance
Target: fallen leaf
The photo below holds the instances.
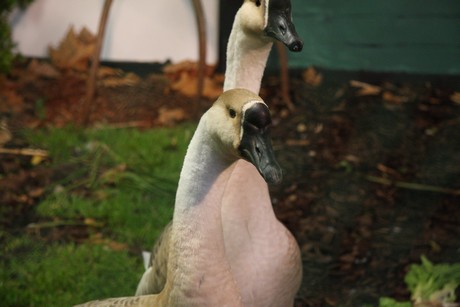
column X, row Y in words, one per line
column 42, row 69
column 113, row 174
column 455, row 97
column 92, row 222
column 117, row 246
column 394, row 99
column 74, row 51
column 366, row 89
column 37, row 159
column 312, row 77
column 13, row 102
column 183, row 78
column 98, row 239
column 170, row 116
column 105, row 72
column 36, row 192
column 301, row 128
column 130, row 79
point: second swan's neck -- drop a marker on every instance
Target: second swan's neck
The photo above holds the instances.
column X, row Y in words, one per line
column 198, row 271
column 247, row 56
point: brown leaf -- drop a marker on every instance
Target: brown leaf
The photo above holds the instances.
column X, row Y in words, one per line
column 366, row 89
column 43, row 69
column 170, row 116
column 312, row 77
column 74, row 51
column 98, row 239
column 394, row 99
column 130, row 79
column 173, row 71
column 455, row 97
column 183, row 77
column 106, row 72
column 13, row 101
column 36, row 192
column 92, row 222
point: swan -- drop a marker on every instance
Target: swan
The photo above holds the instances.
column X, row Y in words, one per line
column 263, row 254
column 199, row 274
column 257, row 24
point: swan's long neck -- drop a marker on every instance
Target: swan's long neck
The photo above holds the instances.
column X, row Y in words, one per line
column 198, row 269
column 246, row 58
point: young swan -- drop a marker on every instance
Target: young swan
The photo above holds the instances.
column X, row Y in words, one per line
column 257, row 24
column 199, row 274
column 264, row 256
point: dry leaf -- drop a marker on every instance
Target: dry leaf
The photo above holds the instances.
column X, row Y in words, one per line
column 92, row 222
column 455, row 97
column 36, row 192
column 106, row 72
column 113, row 174
column 37, row 159
column 183, row 78
column 130, row 79
column 169, row 117
column 188, row 66
column 366, row 89
column 13, row 101
column 301, row 128
column 394, row 99
column 74, row 51
column 98, row 239
column 312, row 77
column 42, row 69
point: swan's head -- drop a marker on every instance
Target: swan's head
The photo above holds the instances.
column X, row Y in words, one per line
column 239, row 122
column 273, row 18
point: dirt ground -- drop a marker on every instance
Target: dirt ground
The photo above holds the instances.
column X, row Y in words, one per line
column 371, row 165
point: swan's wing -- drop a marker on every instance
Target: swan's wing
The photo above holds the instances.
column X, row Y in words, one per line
column 154, row 278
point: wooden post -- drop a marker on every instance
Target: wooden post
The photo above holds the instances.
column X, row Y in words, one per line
column 284, row 75
column 91, row 82
column 201, row 25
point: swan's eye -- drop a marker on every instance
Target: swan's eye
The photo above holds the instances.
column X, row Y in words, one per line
column 232, row 113
column 258, row 3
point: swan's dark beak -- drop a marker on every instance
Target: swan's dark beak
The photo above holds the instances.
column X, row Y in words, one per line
column 280, row 25
column 256, row 145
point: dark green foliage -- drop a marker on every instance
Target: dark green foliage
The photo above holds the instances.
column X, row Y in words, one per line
column 6, row 43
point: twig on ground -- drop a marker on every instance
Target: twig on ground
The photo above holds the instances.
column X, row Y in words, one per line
column 24, row 152
column 412, row 185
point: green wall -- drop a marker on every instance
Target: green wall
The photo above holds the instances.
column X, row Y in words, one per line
column 416, row 36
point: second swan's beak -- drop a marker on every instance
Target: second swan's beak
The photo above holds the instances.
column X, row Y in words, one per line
column 280, row 25
column 256, row 146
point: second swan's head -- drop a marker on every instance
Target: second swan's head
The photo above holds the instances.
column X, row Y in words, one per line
column 274, row 18
column 239, row 122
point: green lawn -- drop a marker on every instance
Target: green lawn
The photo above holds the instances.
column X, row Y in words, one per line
column 117, row 183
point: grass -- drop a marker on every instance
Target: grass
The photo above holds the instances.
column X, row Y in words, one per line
column 121, row 185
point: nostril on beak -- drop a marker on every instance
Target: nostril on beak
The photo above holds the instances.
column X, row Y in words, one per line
column 259, row 153
column 296, row 46
column 282, row 29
